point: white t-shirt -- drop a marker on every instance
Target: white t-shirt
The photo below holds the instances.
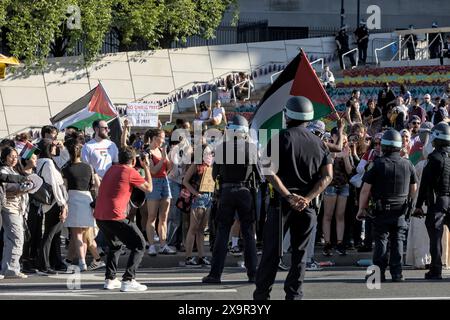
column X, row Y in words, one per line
column 100, row 155
column 204, row 115
column 217, row 112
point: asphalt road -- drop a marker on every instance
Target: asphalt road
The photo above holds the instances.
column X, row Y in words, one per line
column 183, row 283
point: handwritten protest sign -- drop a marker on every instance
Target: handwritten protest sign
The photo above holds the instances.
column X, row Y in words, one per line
column 142, row 114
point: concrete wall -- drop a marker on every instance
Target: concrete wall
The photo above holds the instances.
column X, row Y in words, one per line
column 30, row 100
column 326, row 13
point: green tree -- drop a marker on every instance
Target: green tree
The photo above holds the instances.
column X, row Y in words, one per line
column 35, row 29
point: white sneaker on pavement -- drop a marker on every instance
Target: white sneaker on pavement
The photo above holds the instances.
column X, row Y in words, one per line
column 132, row 285
column 2, row 277
column 19, row 275
column 112, row 284
column 152, row 250
column 96, row 265
column 167, row 250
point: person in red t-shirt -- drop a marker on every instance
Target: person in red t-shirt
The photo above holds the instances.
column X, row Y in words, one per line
column 111, row 215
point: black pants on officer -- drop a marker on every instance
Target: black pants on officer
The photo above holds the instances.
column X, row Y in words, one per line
column 389, row 229
column 435, row 219
column 411, row 51
column 234, row 199
column 362, row 49
column 301, row 225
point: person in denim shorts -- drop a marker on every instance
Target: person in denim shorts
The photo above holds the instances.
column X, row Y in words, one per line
column 158, row 201
column 200, row 209
column 335, row 199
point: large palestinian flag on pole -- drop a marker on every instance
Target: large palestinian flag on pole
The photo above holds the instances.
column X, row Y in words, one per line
column 95, row 105
column 298, row 79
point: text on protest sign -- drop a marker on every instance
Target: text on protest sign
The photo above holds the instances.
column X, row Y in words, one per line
column 143, row 114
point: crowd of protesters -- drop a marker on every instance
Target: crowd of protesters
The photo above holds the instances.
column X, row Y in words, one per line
column 146, row 179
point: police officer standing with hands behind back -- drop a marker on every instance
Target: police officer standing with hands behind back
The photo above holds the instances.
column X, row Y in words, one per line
column 391, row 182
column 305, row 170
column 235, row 167
column 435, row 192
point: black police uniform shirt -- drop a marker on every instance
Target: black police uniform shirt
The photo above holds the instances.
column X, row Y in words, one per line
column 391, row 177
column 342, row 38
column 238, row 166
column 360, row 33
column 301, row 155
column 435, row 176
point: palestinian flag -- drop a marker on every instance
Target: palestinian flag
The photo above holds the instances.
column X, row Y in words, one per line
column 27, row 151
column 298, row 79
column 415, row 154
column 95, row 105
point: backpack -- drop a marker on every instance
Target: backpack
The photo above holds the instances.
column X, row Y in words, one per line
column 44, row 195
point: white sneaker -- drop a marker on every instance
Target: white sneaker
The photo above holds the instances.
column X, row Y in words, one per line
column 132, row 285
column 152, row 250
column 19, row 275
column 2, row 277
column 167, row 250
column 112, row 284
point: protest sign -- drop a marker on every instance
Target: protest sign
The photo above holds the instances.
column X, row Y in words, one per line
column 143, row 114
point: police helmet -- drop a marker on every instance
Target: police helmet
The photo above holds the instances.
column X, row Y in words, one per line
column 238, row 123
column 299, row 108
column 391, row 140
column 441, row 131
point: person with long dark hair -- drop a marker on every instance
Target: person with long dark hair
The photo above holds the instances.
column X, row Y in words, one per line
column 56, row 213
column 158, row 201
column 13, row 210
column 79, row 179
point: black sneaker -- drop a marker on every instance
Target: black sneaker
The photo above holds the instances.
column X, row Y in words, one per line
column 340, row 248
column 327, row 250
column 433, row 276
column 48, row 272
column 191, row 261
column 204, row 261
column 282, row 266
column 211, row 279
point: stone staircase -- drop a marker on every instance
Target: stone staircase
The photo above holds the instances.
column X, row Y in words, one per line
column 245, row 108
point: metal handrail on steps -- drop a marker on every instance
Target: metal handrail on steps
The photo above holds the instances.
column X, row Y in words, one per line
column 348, row 52
column 375, row 52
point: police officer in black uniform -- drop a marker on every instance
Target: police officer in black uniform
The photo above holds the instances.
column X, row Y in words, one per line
column 342, row 43
column 235, row 172
column 362, row 40
column 435, row 192
column 392, row 182
column 304, row 171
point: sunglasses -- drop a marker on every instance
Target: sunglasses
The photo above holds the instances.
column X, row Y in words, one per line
column 415, row 122
column 106, row 128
